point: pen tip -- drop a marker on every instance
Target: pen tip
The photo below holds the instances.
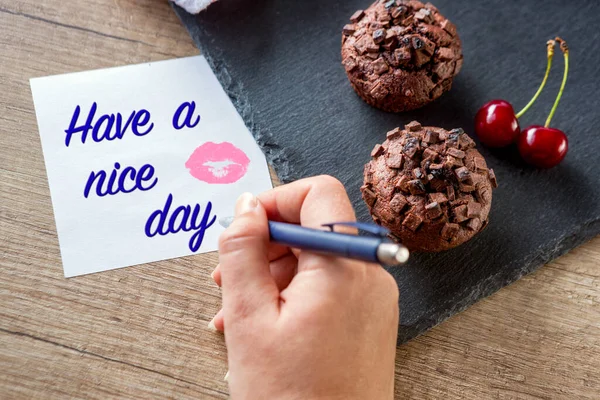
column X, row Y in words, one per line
column 225, row 222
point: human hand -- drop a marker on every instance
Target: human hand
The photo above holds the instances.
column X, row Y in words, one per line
column 300, row 325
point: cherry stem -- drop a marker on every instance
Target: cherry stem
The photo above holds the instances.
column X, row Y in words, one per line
column 565, row 49
column 550, row 46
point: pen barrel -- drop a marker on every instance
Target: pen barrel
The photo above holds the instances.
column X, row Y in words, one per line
column 326, row 242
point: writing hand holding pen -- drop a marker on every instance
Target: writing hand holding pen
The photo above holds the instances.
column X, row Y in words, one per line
column 300, row 324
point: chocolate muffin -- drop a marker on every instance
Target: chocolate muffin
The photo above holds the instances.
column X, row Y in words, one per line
column 400, row 55
column 430, row 187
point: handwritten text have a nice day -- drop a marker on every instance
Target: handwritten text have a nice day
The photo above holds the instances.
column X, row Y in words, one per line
column 128, row 179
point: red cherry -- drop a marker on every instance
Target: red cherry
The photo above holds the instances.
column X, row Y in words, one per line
column 543, row 147
column 496, row 124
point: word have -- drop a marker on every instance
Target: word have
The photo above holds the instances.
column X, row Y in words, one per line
column 108, row 126
column 129, row 180
column 183, row 218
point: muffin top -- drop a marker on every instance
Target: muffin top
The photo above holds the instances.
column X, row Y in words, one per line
column 430, row 187
column 405, row 51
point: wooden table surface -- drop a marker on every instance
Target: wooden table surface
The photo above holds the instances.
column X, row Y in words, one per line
column 141, row 332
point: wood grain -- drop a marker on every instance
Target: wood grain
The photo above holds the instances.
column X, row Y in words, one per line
column 141, row 332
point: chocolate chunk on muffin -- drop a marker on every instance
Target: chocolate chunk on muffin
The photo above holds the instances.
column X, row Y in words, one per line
column 400, row 55
column 430, row 187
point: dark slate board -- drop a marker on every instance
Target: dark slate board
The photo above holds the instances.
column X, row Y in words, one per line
column 279, row 60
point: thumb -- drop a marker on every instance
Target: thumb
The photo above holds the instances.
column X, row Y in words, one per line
column 247, row 283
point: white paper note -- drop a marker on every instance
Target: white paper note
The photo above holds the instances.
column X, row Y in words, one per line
column 142, row 161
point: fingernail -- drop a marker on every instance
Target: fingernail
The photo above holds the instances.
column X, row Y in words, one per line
column 245, row 203
column 226, row 378
column 211, row 325
column 212, row 274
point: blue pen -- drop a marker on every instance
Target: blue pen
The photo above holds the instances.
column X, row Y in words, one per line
column 375, row 248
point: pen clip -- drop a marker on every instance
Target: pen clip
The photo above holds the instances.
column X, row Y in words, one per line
column 374, row 230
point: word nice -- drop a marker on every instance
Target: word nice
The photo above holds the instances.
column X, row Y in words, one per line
column 120, row 181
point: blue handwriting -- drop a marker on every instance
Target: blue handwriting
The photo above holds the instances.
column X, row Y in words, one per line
column 128, row 180
column 108, row 126
column 190, row 108
column 183, row 218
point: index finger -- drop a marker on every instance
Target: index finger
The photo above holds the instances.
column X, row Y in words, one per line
column 310, row 202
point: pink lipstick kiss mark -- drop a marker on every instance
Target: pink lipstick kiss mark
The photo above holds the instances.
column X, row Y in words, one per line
column 218, row 163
